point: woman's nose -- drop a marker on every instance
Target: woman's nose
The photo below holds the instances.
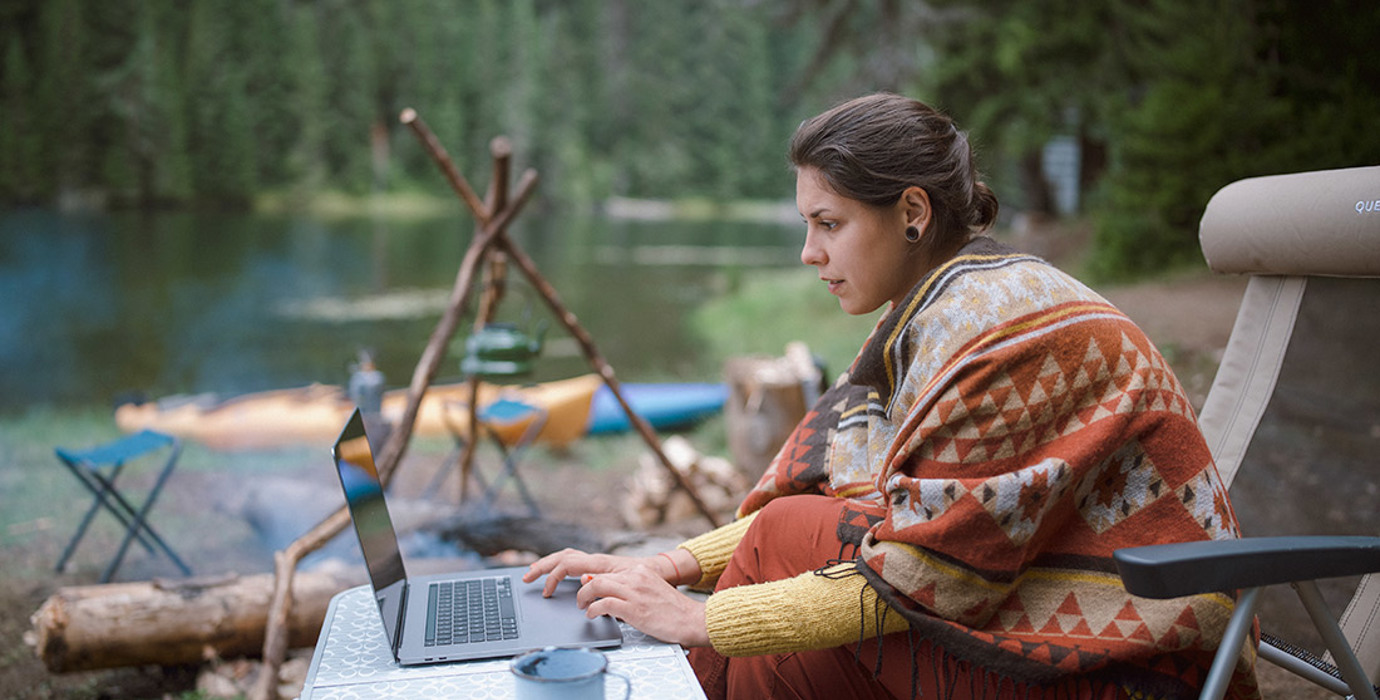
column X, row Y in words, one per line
column 810, row 252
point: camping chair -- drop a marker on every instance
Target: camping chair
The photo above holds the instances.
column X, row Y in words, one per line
column 1295, row 409
column 97, row 468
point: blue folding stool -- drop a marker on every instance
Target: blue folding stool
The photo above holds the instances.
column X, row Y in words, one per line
column 510, row 411
column 97, row 468
column 501, row 413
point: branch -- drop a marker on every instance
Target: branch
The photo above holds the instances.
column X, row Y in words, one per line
column 285, row 562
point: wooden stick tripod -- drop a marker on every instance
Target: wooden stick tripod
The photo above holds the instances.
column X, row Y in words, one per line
column 492, row 247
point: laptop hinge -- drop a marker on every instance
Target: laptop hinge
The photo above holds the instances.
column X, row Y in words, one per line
column 402, row 618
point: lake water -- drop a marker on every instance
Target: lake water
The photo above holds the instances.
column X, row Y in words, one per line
column 95, row 307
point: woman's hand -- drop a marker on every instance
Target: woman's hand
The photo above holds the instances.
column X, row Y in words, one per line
column 640, row 591
column 675, row 567
column 642, row 598
column 573, row 562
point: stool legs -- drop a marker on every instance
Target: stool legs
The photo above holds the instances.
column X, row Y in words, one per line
column 104, row 490
column 489, row 491
column 510, row 470
column 133, row 519
column 138, row 526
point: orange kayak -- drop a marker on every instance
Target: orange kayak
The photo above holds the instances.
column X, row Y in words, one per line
column 559, row 411
column 315, row 414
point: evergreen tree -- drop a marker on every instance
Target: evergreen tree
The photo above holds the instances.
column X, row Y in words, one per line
column 257, row 43
column 218, row 99
column 172, row 167
column 1015, row 75
column 64, row 96
column 304, row 163
column 741, row 159
column 656, row 152
column 565, row 142
column 146, row 158
column 126, row 152
column 524, row 76
column 435, row 85
column 1203, row 114
column 483, row 80
column 220, row 132
column 350, row 96
column 1329, row 77
column 237, row 151
column 19, row 154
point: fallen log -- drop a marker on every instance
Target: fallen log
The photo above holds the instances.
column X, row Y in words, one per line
column 172, row 622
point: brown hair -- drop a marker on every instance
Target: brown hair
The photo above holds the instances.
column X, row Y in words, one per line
column 872, row 148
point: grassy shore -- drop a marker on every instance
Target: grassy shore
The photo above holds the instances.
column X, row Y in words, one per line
column 768, row 309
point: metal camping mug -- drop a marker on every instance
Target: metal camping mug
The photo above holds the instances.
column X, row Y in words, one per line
column 557, row 672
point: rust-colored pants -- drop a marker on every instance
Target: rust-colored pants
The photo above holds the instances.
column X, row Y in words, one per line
column 795, row 534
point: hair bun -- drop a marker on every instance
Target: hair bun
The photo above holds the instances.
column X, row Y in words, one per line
column 984, row 207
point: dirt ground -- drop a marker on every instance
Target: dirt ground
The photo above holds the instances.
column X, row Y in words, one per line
column 221, row 522
column 242, row 521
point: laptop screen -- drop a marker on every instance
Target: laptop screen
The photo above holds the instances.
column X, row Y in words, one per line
column 354, row 462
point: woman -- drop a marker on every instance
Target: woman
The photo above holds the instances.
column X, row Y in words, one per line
column 943, row 519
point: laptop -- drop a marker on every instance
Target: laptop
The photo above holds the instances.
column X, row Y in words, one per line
column 478, row 614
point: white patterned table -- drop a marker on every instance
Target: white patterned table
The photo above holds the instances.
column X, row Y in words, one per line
column 352, row 660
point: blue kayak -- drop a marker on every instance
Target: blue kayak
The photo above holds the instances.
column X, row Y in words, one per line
column 668, row 406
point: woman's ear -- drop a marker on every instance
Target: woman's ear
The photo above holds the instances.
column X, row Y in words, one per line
column 915, row 203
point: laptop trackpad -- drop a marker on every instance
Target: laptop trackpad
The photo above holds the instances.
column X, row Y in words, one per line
column 552, row 618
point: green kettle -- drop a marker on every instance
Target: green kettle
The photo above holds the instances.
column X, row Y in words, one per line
column 501, row 350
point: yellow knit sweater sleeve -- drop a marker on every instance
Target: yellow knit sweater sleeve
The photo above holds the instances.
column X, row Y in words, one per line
column 713, row 549
column 797, row 614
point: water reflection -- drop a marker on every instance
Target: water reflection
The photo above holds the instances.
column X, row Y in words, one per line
column 92, row 307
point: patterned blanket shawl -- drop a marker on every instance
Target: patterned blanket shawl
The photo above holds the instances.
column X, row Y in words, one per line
column 1002, row 432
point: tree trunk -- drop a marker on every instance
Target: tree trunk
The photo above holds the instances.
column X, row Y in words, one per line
column 767, row 398
column 1039, row 199
column 168, row 623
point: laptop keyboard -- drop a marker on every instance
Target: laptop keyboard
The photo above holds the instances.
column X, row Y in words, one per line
column 465, row 612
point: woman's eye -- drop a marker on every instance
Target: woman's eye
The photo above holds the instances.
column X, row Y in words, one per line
column 829, row 225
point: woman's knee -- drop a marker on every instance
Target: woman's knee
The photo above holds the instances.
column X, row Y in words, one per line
column 807, row 523
column 789, row 536
column 800, row 510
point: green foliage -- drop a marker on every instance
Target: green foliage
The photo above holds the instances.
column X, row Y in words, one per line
column 1182, row 97
column 146, row 159
column 351, row 78
column 62, row 95
column 303, row 163
column 218, row 100
column 221, row 134
column 19, row 136
column 1176, row 143
column 223, row 100
column 1245, row 92
column 773, row 308
column 1015, row 75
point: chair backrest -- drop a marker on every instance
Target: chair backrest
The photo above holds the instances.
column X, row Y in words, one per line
column 1295, row 407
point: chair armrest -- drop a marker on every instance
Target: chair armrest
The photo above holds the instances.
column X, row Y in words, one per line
column 1188, row 568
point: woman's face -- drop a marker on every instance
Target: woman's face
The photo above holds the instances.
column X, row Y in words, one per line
column 861, row 251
